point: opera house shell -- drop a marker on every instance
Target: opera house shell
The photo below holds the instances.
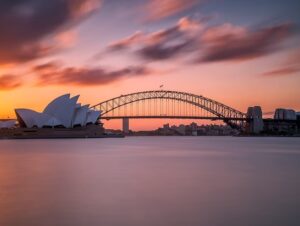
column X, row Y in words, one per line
column 62, row 112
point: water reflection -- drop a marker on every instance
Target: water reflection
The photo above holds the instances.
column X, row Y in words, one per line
column 150, row 181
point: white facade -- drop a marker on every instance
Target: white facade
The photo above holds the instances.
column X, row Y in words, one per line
column 92, row 116
column 7, row 124
column 62, row 111
column 27, row 117
column 80, row 117
column 30, row 118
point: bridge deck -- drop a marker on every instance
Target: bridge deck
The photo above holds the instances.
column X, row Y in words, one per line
column 173, row 117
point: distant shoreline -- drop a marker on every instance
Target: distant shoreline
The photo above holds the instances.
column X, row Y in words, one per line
column 90, row 131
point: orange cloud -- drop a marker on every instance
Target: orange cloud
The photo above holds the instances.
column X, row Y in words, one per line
column 8, row 82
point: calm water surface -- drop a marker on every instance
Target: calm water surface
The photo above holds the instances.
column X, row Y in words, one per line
column 151, row 181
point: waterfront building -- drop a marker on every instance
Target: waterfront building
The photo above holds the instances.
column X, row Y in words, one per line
column 285, row 114
column 62, row 112
column 7, row 124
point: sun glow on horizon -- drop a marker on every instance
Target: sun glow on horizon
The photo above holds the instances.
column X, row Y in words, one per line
column 181, row 45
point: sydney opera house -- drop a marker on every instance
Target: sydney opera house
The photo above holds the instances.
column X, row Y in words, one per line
column 62, row 118
column 63, row 112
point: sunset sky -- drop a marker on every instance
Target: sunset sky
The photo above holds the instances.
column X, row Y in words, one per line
column 238, row 52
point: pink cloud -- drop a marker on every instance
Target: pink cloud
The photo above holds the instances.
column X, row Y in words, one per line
column 162, row 44
column 137, row 37
column 159, row 9
column 196, row 40
column 53, row 73
column 288, row 70
column 66, row 38
column 228, row 42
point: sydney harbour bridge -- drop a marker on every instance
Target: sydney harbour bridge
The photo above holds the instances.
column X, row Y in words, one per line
column 169, row 105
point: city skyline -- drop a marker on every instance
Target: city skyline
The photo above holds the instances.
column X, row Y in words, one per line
column 239, row 53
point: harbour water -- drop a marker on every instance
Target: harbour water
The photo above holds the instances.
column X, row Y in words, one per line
column 147, row 181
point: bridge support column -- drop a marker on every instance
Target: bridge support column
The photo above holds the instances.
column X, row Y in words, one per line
column 256, row 124
column 126, row 125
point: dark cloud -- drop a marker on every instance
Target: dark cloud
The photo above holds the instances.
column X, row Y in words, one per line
column 27, row 25
column 161, row 45
column 52, row 74
column 163, row 52
column 243, row 44
column 196, row 40
column 8, row 82
column 171, row 42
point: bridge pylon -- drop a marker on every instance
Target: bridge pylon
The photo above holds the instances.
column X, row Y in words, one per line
column 125, row 122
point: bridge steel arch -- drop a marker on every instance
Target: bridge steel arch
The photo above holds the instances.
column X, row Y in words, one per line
column 229, row 115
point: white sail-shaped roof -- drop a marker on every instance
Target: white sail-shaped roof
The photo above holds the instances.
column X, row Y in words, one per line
column 41, row 120
column 52, row 122
column 35, row 119
column 27, row 117
column 63, row 109
column 57, row 103
column 92, row 116
column 80, row 115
